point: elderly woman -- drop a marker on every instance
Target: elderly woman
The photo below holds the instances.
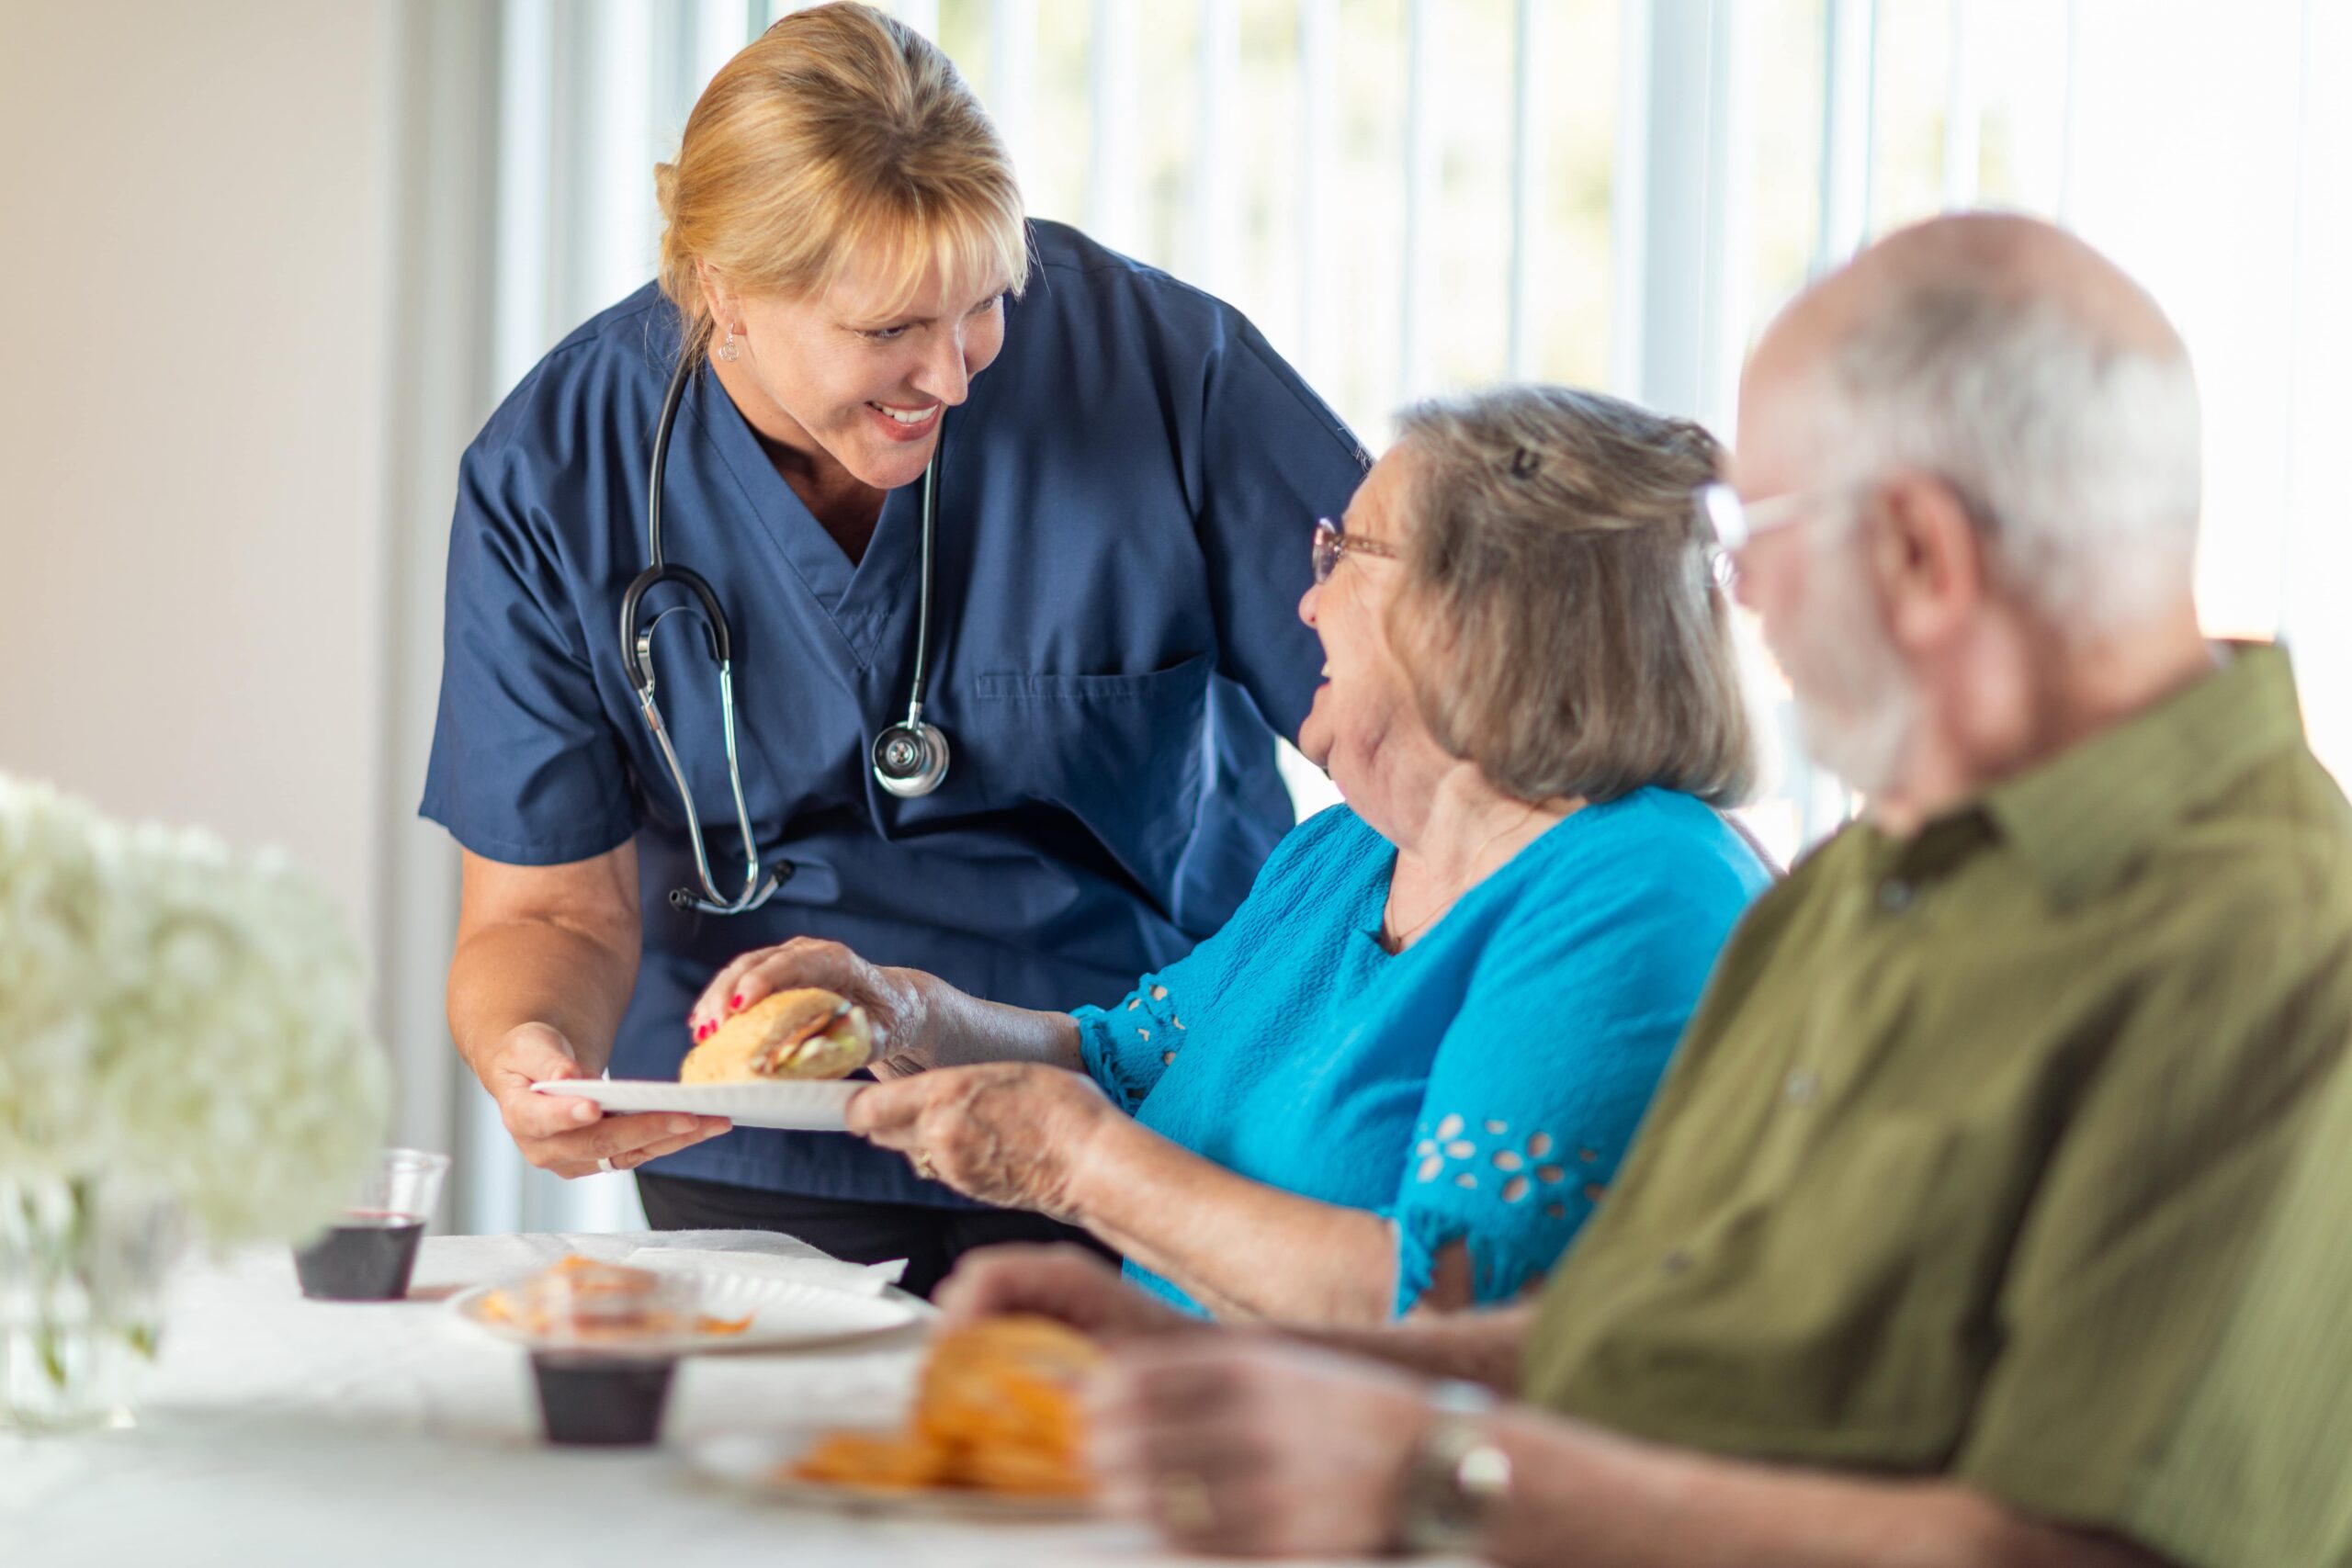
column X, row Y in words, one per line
column 1405, row 1070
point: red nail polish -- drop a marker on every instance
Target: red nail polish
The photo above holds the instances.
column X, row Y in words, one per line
column 735, row 1001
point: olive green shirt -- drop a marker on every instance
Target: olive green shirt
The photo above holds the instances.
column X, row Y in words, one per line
column 2257, row 1472
column 1961, row 1156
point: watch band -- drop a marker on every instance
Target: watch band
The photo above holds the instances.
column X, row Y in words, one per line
column 1457, row 1476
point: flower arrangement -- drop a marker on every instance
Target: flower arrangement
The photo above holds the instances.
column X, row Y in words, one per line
column 178, row 1019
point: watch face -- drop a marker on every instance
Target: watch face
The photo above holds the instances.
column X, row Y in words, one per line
column 1457, row 1477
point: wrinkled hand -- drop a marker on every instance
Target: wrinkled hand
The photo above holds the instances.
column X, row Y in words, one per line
column 893, row 999
column 1013, row 1133
column 1067, row 1283
column 1250, row 1447
column 568, row 1136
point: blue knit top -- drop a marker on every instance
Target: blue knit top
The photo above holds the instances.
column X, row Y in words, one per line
column 1482, row 1085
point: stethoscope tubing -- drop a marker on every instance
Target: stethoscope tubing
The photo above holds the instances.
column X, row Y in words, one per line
column 910, row 759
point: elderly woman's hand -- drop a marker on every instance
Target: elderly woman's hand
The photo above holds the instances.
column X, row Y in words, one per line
column 1014, row 1134
column 1249, row 1446
column 896, row 1000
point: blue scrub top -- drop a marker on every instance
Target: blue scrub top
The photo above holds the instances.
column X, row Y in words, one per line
column 1124, row 517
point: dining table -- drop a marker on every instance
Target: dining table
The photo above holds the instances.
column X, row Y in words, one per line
column 273, row 1430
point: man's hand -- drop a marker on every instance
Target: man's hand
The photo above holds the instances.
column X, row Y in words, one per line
column 1013, row 1133
column 569, row 1136
column 1067, row 1283
column 1252, row 1447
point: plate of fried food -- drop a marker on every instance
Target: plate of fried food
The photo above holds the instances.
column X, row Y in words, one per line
column 778, row 1062
column 587, row 1303
column 998, row 1431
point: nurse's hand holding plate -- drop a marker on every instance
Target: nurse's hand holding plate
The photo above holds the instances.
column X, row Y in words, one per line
column 572, row 1137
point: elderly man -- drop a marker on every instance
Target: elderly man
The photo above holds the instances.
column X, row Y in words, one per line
column 1947, row 1197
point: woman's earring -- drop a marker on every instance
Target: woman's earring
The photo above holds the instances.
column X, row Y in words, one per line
column 728, row 351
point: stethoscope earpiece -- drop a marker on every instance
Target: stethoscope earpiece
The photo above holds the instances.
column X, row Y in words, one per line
column 910, row 759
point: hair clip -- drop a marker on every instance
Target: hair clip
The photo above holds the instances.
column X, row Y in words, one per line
column 1524, row 464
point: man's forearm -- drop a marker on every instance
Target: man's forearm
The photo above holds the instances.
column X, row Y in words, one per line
column 1583, row 1497
column 508, row 973
column 1469, row 1347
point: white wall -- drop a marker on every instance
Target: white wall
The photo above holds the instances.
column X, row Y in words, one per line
column 231, row 405
column 193, row 416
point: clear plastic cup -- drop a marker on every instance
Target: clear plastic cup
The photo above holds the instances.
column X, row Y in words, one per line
column 587, row 1303
column 369, row 1253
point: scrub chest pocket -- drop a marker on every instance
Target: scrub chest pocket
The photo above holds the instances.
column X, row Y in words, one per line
column 1098, row 747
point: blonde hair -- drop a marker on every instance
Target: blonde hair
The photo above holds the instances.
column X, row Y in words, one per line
column 839, row 136
column 1560, row 618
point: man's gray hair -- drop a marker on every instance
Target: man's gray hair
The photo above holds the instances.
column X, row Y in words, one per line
column 2076, row 454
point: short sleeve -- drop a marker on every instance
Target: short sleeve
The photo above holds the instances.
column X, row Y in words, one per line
column 2126, row 1264
column 1127, row 1047
column 1274, row 459
column 1543, row 1076
column 525, row 767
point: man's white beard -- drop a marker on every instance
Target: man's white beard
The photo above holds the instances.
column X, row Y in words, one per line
column 1856, row 712
column 1864, row 750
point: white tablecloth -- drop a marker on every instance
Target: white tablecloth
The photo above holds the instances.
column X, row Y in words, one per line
column 280, row 1430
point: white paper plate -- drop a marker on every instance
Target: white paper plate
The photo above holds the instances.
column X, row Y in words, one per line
column 783, row 1313
column 796, row 1105
column 755, row 1463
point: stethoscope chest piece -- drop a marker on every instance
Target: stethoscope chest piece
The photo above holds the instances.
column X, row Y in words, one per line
column 910, row 758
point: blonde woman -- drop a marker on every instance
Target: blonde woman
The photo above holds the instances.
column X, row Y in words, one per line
column 853, row 318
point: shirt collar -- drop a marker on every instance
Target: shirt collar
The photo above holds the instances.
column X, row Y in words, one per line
column 2083, row 819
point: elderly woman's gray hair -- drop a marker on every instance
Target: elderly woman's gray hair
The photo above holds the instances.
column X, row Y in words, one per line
column 1561, row 617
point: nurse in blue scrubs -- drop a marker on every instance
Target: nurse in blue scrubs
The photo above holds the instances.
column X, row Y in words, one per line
column 1125, row 473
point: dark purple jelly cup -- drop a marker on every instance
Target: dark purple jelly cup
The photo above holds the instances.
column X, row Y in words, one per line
column 362, row 1257
column 597, row 1398
column 369, row 1253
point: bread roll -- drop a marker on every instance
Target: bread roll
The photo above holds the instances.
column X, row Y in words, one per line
column 804, row 1034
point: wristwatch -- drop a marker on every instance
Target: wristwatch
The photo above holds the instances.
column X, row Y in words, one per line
column 1457, row 1476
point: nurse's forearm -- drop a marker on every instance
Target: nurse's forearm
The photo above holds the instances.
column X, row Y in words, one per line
column 507, row 973
column 963, row 1031
column 1239, row 1247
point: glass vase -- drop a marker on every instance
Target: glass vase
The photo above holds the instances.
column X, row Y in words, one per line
column 82, row 1270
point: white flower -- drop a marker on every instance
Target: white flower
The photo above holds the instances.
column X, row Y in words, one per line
column 178, row 1016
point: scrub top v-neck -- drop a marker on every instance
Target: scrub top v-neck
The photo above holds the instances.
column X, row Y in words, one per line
column 1124, row 511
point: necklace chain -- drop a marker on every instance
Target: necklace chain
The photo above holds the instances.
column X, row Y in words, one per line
column 1396, row 939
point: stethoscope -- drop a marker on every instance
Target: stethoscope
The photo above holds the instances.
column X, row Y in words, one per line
column 909, row 757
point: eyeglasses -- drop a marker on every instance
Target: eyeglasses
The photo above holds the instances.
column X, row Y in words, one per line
column 1331, row 544
column 1738, row 524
